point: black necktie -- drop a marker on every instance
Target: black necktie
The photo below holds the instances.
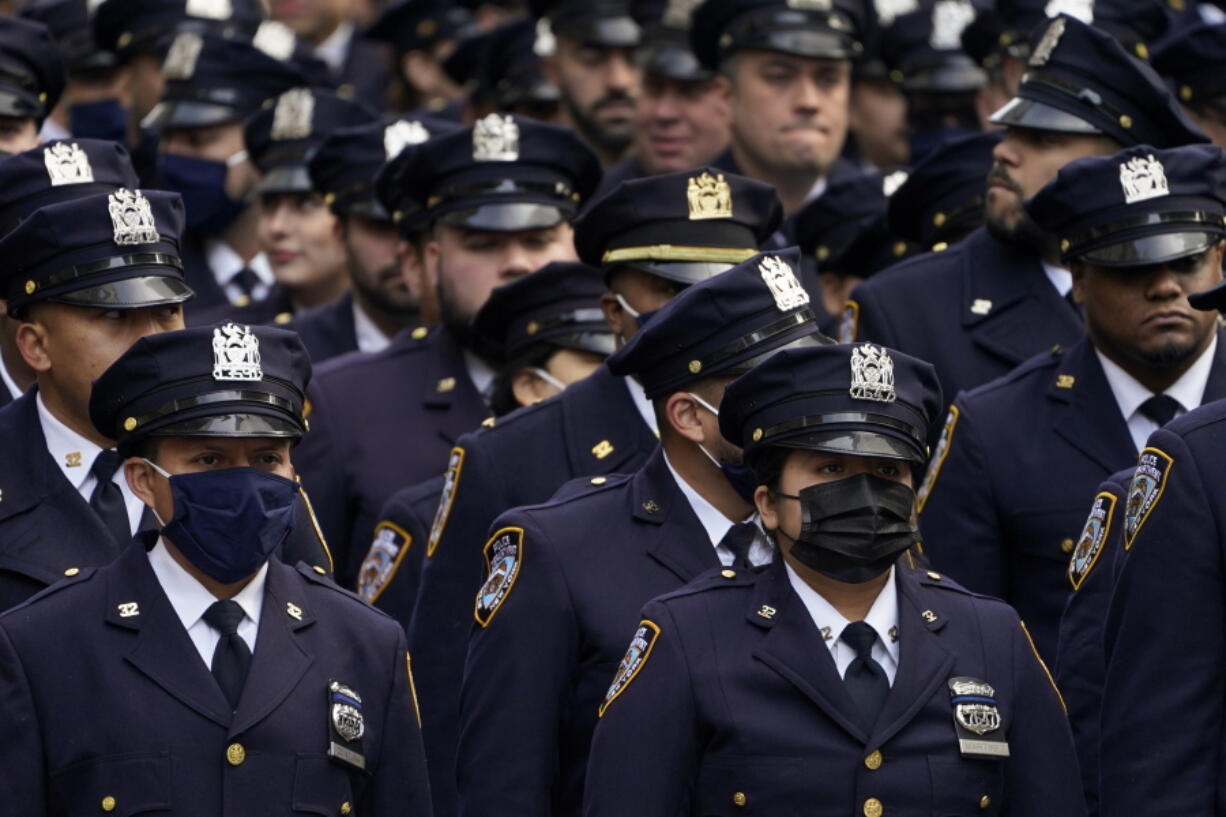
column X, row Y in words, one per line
column 232, row 658
column 107, row 499
column 738, row 539
column 246, row 280
column 1161, row 408
column 865, row 680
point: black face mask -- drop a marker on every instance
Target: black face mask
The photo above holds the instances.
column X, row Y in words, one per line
column 854, row 529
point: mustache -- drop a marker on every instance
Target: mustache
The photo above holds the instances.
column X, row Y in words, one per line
column 998, row 176
column 614, row 98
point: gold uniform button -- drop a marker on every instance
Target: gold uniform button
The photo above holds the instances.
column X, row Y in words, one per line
column 985, row 801
column 72, row 571
column 873, row 761
column 419, row 333
column 932, row 574
column 739, row 799
column 1067, row 546
column 242, row 300
column 319, row 570
column 235, row 754
column 346, row 807
column 283, row 318
column 129, row 424
column 728, row 574
column 873, row 807
column 108, row 803
column 599, row 480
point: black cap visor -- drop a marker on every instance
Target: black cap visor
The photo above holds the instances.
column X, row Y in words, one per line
column 20, row 104
column 673, row 61
column 1027, row 113
column 681, row 272
column 507, row 217
column 129, row 293
column 285, row 179
column 857, row 442
column 1147, row 250
column 239, row 424
column 603, row 32
column 799, row 38
column 186, row 113
column 954, row 77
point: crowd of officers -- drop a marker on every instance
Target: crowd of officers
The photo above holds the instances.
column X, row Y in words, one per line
column 614, row 408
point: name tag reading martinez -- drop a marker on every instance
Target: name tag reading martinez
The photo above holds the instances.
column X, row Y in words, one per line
column 977, row 719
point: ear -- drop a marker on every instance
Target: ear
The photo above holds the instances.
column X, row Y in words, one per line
column 723, row 88
column 1078, row 271
column 527, row 387
column 618, row 320
column 764, row 501
column 140, row 476
column 682, row 413
column 32, row 343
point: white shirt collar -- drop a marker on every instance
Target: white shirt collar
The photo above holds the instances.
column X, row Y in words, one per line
column 335, row 48
column 1060, row 278
column 713, row 522
column 1189, row 389
column 646, row 410
column 481, row 374
column 73, row 453
column 370, row 338
column 9, row 382
column 225, row 262
column 817, row 189
column 882, row 617
column 52, row 130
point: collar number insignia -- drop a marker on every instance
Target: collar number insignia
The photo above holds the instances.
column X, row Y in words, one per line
column 236, row 353
column 180, row 62
column 949, row 18
column 1047, row 44
column 785, row 289
column 399, row 135
column 976, row 718
column 451, row 481
column 708, row 197
column 274, row 39
column 132, row 218
column 495, row 139
column 636, row 656
column 872, row 374
column 346, row 725
column 503, row 557
column 128, row 609
column 388, row 547
column 1093, row 536
column 1142, row 178
column 67, row 164
column 209, row 9
column 1148, row 482
column 73, row 459
column 291, row 119
column 293, row 611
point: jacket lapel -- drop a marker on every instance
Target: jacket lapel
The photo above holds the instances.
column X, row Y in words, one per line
column 1090, row 419
column 450, row 396
column 659, row 504
column 604, row 430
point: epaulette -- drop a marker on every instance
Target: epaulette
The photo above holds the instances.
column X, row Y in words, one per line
column 1039, row 363
column 717, row 578
column 77, row 576
column 319, row 576
column 931, row 578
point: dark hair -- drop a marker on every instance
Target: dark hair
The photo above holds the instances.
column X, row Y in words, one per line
column 145, row 447
column 767, row 464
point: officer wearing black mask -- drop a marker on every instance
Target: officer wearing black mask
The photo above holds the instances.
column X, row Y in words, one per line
column 906, row 690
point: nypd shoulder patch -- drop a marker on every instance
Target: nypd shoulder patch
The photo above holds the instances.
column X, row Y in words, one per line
column 938, row 459
column 1093, row 538
column 1148, row 483
column 849, row 324
column 451, row 481
column 391, row 542
column 636, row 656
column 504, row 554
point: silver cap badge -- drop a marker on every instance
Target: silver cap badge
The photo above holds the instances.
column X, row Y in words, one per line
column 887, row 10
column 132, row 218
column 495, row 139
column 949, row 18
column 1143, row 177
column 274, row 39
column 180, row 62
column 545, row 43
column 291, row 119
column 679, row 12
column 209, row 9
column 67, row 164
column 236, row 353
column 399, row 135
column 785, row 289
column 1049, row 41
column 872, row 374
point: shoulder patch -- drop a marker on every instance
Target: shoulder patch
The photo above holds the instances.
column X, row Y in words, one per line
column 387, row 549
column 849, row 324
column 1148, row 483
column 504, row 554
column 1093, row 537
column 938, row 459
column 451, row 481
column 636, row 656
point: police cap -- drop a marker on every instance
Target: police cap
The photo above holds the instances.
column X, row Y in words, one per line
column 60, row 170
column 821, row 29
column 844, row 229
column 942, row 199
column 1191, row 61
column 32, row 74
column 131, row 27
column 604, row 23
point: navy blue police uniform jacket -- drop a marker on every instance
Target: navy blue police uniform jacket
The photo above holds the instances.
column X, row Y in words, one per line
column 48, row 530
column 109, row 707
column 275, row 309
column 379, row 422
column 974, row 311
column 728, row 703
column 327, row 331
column 363, row 76
column 1080, row 664
column 209, row 294
column 1164, row 699
column 590, row 429
column 585, row 567
column 1014, row 473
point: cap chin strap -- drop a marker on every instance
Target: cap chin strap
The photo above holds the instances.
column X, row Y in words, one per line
column 160, row 470
column 548, row 378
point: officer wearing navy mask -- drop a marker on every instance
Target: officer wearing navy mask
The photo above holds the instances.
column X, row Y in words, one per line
column 220, row 680
column 571, row 574
column 977, row 310
column 839, row 680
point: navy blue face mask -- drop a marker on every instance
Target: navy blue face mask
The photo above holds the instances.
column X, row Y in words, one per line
column 105, row 119
column 207, row 210
column 228, row 522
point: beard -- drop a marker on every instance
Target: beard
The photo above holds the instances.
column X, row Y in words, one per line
column 610, row 139
column 460, row 324
column 368, row 284
column 1013, row 225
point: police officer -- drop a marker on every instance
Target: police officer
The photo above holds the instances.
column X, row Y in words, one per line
column 295, row 229
column 379, row 302
column 839, row 680
column 1188, row 60
column 420, row 34
column 1160, row 661
column 554, row 334
column 500, row 196
column 571, row 574
column 356, row 64
column 220, row 681
column 587, row 51
column 212, row 85
column 992, row 514
column 34, row 77
column 786, row 69
column 653, row 237
column 978, row 310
